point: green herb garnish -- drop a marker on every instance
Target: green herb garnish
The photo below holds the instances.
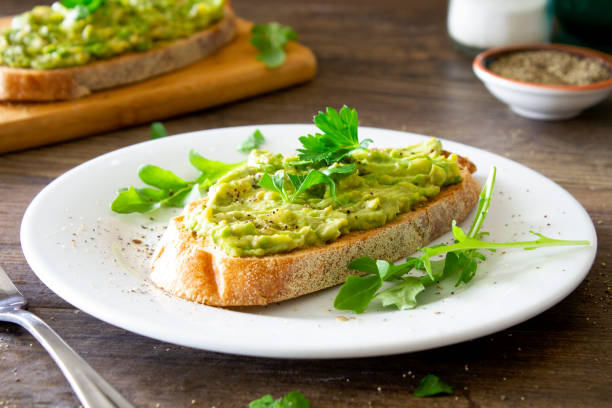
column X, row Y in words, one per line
column 252, row 142
column 90, row 5
column 303, row 182
column 276, row 183
column 461, row 260
column 294, row 399
column 158, row 130
column 169, row 189
column 338, row 139
column 270, row 40
column 431, row 385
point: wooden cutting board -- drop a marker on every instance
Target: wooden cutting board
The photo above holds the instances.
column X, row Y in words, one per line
column 230, row 74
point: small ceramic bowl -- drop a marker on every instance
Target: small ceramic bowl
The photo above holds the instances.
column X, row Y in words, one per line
column 541, row 101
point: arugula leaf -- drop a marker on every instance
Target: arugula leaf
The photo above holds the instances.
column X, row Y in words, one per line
column 158, row 130
column 171, row 190
column 130, row 200
column 403, row 295
column 385, row 269
column 389, row 271
column 211, row 170
column 160, row 178
column 432, row 385
column 461, row 260
column 338, row 139
column 152, row 194
column 294, row 399
column 462, row 264
column 365, row 264
column 466, row 243
column 252, row 142
column 91, row 5
column 270, row 40
column 183, row 196
column 357, row 292
column 484, row 202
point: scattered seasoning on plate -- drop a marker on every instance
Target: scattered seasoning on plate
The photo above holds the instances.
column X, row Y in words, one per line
column 550, row 67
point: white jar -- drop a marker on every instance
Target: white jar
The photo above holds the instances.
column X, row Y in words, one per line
column 481, row 24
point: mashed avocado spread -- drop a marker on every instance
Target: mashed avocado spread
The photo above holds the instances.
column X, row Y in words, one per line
column 245, row 219
column 56, row 36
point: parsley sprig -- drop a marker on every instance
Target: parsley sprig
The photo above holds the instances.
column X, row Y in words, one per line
column 270, row 40
column 302, row 182
column 461, row 260
column 338, row 139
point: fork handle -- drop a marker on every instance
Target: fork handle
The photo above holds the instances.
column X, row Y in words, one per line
column 89, row 386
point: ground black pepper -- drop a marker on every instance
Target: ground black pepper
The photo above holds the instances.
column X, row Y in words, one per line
column 550, row 67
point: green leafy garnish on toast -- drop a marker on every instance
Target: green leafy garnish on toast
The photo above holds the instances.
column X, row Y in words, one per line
column 302, row 182
column 338, row 138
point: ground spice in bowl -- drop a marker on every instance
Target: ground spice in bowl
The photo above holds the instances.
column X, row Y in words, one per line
column 550, row 67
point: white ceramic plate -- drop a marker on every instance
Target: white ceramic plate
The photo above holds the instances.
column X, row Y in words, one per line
column 97, row 260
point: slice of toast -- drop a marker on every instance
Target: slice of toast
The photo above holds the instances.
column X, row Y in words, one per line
column 188, row 266
column 38, row 85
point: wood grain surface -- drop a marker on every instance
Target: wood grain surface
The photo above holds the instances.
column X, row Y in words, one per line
column 227, row 75
column 393, row 61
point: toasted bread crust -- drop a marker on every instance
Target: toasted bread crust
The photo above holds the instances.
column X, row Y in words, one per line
column 187, row 266
column 37, row 85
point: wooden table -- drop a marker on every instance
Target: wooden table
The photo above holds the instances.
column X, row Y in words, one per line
column 393, row 61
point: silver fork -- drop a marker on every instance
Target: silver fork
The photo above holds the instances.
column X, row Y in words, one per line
column 91, row 389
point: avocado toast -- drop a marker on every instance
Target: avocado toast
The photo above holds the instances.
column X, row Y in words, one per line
column 58, row 52
column 251, row 243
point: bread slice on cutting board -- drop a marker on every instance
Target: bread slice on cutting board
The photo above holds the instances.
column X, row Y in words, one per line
column 38, row 85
